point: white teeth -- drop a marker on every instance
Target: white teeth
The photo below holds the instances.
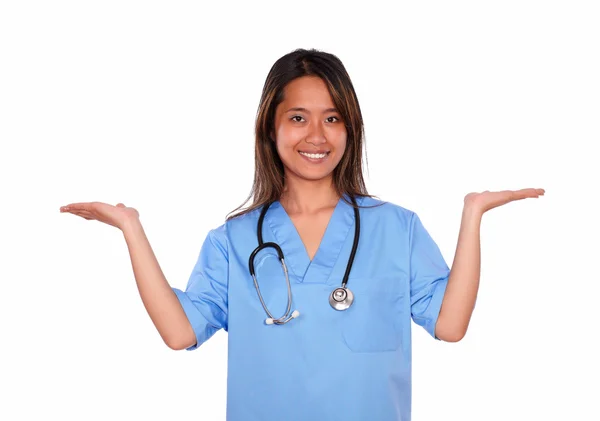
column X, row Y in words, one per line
column 314, row 155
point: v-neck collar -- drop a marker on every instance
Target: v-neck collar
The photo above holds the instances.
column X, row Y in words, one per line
column 295, row 254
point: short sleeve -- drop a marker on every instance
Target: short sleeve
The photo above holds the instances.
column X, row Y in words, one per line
column 205, row 298
column 428, row 277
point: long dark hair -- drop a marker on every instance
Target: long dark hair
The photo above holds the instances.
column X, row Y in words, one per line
column 269, row 171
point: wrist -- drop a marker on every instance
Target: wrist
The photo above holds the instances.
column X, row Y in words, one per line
column 472, row 211
column 130, row 226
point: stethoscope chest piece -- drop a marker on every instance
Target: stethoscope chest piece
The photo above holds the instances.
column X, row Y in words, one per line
column 341, row 298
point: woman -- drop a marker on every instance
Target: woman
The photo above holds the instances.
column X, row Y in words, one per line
column 302, row 344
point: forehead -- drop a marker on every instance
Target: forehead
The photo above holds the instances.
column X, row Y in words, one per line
column 307, row 91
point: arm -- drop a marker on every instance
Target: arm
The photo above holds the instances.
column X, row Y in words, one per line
column 463, row 282
column 184, row 319
column 159, row 299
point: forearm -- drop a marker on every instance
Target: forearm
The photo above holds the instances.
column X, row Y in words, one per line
column 463, row 283
column 160, row 301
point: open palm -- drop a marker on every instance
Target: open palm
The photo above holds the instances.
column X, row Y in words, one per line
column 487, row 200
column 116, row 216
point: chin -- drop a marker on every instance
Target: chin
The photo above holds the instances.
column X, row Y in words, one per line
column 312, row 171
column 313, row 175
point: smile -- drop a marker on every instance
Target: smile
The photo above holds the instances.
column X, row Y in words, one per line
column 314, row 155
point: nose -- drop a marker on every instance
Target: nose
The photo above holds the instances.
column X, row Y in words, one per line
column 316, row 134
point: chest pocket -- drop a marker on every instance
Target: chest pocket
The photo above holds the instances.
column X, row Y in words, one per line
column 374, row 322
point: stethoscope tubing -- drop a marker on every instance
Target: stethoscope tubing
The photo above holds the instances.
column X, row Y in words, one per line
column 261, row 246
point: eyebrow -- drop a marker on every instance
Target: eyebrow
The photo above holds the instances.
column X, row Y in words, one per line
column 328, row 110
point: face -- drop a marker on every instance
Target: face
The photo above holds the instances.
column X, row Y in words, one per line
column 309, row 132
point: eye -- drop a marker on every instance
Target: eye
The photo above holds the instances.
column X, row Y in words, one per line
column 301, row 118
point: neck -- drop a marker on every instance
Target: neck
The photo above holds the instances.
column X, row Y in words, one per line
column 308, row 196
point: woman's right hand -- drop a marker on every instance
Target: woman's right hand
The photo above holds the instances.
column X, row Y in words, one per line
column 158, row 297
column 117, row 216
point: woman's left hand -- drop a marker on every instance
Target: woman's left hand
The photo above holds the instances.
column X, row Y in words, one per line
column 483, row 202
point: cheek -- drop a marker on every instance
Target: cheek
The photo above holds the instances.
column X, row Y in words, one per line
column 285, row 151
column 283, row 147
column 340, row 146
column 286, row 142
column 285, row 139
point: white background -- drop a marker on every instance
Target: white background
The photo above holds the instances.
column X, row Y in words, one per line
column 153, row 103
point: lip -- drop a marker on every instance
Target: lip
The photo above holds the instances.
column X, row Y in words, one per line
column 315, row 160
column 321, row 151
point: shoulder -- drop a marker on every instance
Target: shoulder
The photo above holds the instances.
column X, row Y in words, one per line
column 242, row 225
column 388, row 211
column 389, row 219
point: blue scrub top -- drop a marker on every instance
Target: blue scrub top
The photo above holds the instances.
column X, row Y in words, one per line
column 325, row 364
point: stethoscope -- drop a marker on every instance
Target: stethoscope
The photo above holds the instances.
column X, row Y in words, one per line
column 341, row 298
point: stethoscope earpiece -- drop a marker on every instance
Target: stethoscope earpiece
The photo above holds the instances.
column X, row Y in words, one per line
column 294, row 315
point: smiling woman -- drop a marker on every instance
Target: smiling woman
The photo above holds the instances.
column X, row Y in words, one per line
column 309, row 127
column 310, row 138
column 309, row 207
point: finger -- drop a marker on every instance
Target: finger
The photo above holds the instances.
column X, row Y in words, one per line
column 77, row 206
column 83, row 214
column 531, row 192
column 511, row 195
column 66, row 208
column 92, row 207
column 505, row 196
